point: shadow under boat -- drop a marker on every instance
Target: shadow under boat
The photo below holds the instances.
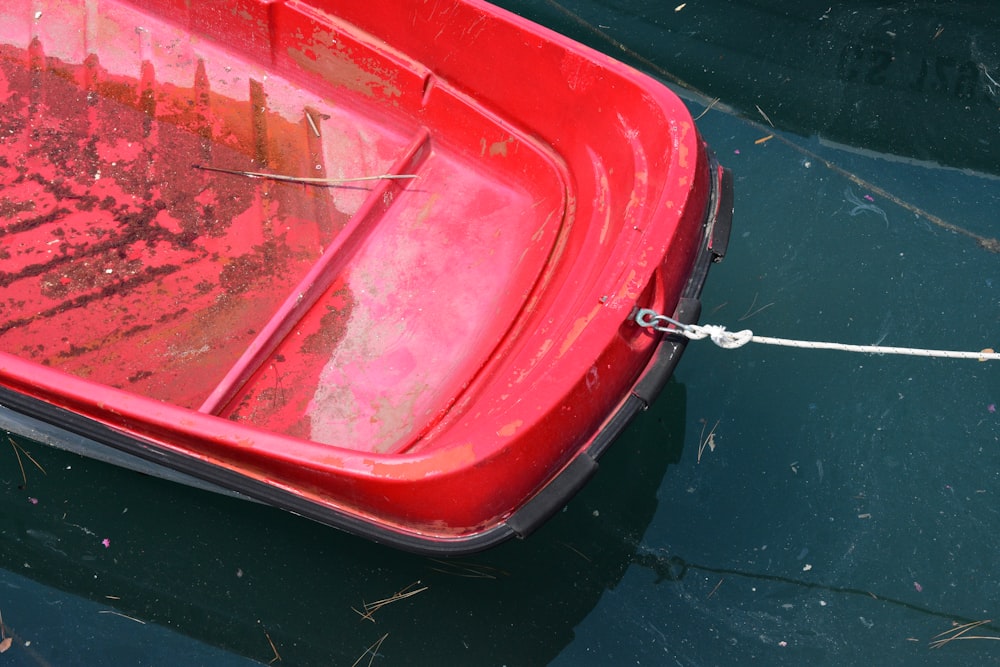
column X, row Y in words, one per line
column 238, row 576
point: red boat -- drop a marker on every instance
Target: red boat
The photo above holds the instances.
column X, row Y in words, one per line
column 378, row 264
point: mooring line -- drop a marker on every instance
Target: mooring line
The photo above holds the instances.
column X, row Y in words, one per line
column 734, row 339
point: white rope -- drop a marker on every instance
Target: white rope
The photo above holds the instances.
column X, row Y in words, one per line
column 733, row 339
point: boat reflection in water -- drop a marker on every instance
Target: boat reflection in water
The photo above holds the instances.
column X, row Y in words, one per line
column 818, row 67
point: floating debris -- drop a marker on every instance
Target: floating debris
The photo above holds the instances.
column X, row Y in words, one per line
column 118, row 613
column 18, row 450
column 373, row 650
column 706, row 441
column 707, row 109
column 959, row 632
column 471, row 570
column 764, row 115
column 5, row 641
column 371, row 607
column 861, row 207
column 277, row 656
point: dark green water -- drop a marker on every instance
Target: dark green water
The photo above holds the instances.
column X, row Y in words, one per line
column 848, row 513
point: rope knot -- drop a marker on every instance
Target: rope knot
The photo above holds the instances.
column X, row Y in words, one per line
column 721, row 337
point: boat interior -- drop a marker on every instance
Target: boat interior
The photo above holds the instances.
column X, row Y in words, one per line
column 311, row 233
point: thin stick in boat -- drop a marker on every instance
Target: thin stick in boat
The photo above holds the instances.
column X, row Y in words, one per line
column 312, row 123
column 285, row 178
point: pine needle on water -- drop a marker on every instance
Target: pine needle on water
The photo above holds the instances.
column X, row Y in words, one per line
column 373, row 649
column 959, row 632
column 18, row 450
column 371, row 607
column 709, row 441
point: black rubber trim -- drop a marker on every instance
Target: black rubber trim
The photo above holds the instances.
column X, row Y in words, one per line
column 716, row 226
column 553, row 497
column 724, row 220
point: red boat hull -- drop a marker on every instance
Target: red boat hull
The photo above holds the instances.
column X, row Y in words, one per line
column 373, row 264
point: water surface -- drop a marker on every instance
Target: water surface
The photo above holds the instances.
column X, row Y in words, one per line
column 848, row 511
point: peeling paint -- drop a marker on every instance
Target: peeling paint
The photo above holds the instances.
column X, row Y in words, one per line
column 448, row 460
column 500, row 147
column 510, row 429
column 366, row 75
column 578, row 326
